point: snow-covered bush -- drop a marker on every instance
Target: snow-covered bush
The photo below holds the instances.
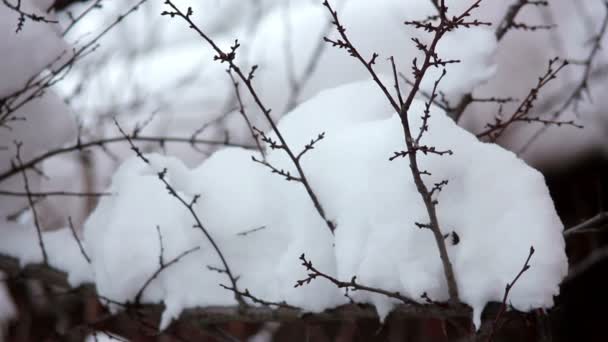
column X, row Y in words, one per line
column 294, row 155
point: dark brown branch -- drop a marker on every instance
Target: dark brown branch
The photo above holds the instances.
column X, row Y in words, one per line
column 508, row 287
column 247, row 294
column 522, row 114
column 190, row 207
column 32, row 205
column 508, row 21
column 351, row 285
column 503, row 27
column 430, row 60
column 36, row 86
column 229, row 57
column 75, row 236
column 583, row 86
column 163, row 267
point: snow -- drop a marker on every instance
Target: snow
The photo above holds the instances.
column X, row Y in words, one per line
column 497, row 205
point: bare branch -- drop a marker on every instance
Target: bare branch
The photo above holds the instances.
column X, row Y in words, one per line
column 583, row 85
column 522, row 114
column 30, row 200
column 431, row 59
column 348, row 285
column 505, row 297
column 190, row 207
column 228, row 57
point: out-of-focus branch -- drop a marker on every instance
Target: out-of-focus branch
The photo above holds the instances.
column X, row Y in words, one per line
column 507, row 23
column 189, row 205
column 79, row 146
column 589, row 225
column 583, row 85
column 351, row 285
column 522, row 114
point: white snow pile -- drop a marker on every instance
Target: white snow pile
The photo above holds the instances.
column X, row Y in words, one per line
column 497, row 205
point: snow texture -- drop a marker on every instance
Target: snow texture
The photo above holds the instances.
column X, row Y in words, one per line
column 497, row 205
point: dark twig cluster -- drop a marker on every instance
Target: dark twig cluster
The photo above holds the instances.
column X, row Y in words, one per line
column 24, row 15
column 523, row 112
column 37, row 85
column 402, row 106
column 506, row 24
column 352, row 285
column 189, row 205
column 582, row 87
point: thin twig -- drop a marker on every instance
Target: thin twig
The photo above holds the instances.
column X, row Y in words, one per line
column 229, row 57
column 75, row 236
column 508, row 287
column 190, row 207
column 45, row 258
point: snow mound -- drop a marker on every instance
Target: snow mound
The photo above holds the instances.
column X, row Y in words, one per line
column 496, row 204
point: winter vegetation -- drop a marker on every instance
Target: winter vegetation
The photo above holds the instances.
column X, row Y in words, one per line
column 286, row 170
